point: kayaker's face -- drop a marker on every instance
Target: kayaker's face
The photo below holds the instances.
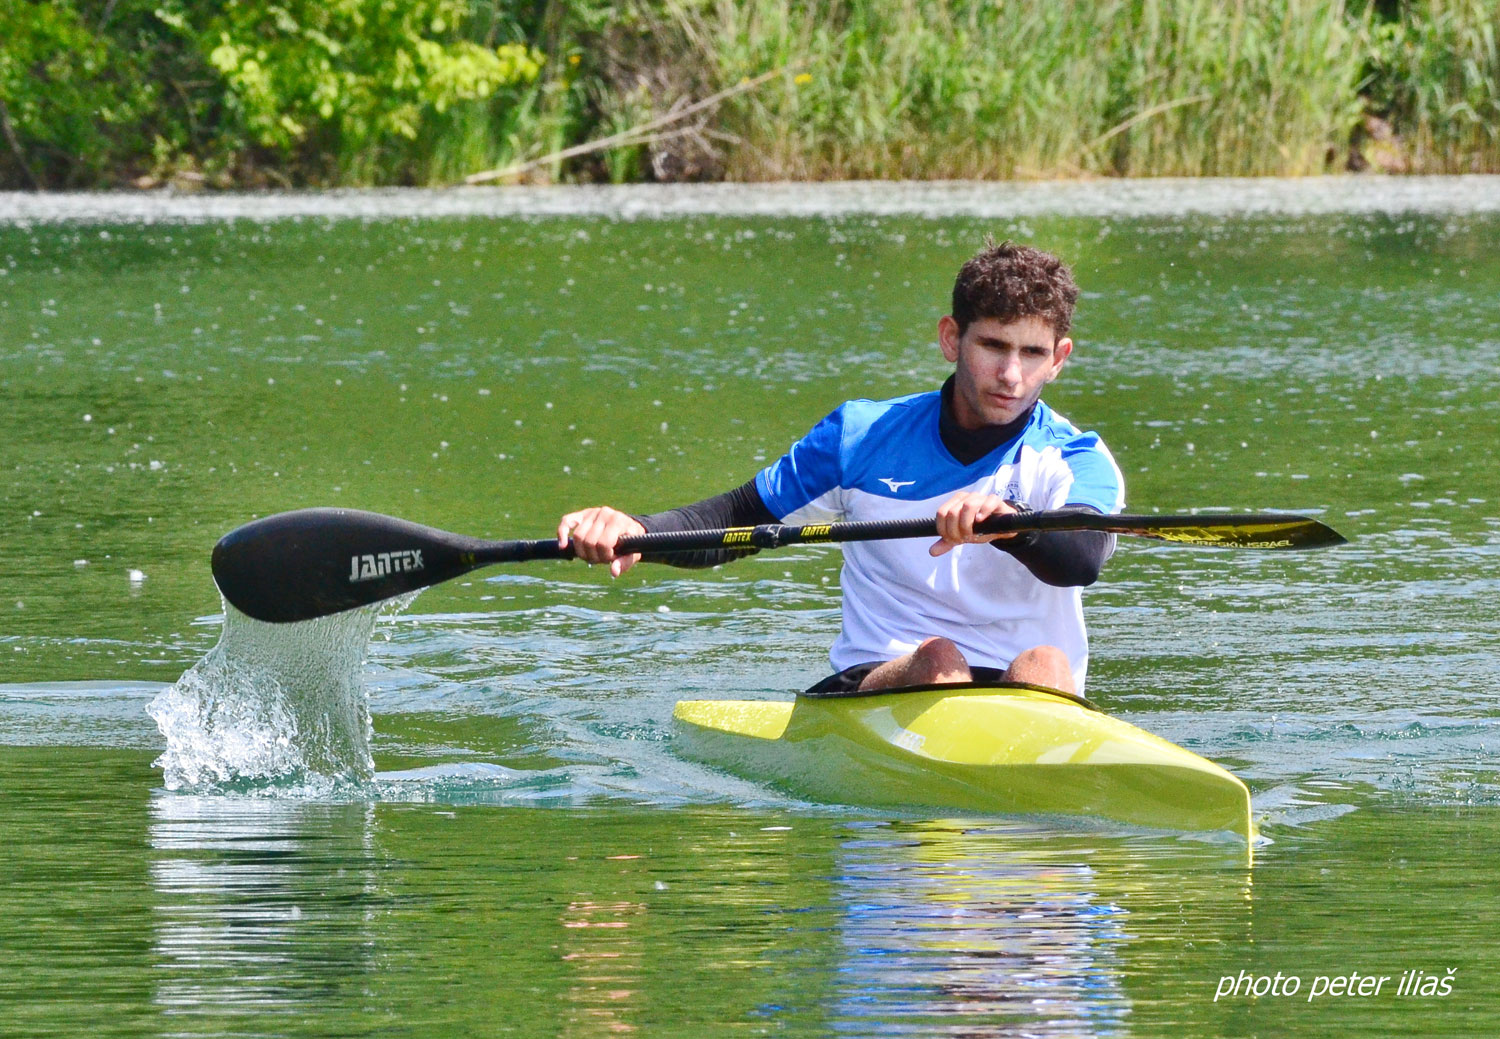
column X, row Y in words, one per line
column 1001, row 368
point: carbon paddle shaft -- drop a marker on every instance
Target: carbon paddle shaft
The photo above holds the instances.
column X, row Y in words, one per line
column 1245, row 530
column 295, row 566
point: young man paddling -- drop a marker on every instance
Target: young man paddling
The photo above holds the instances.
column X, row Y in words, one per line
column 967, row 607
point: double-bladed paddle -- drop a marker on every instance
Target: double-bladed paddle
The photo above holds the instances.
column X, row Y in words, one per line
column 295, row 566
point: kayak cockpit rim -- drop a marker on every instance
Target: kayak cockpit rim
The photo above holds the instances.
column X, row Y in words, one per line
column 953, row 687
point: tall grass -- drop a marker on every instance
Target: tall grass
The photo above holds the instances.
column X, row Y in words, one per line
column 1250, row 87
column 912, row 88
column 900, row 88
column 1016, row 88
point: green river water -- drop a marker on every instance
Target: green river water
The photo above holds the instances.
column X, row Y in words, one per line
column 532, row 856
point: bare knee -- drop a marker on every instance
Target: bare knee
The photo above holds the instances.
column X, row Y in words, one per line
column 1042, row 665
column 942, row 660
column 936, row 661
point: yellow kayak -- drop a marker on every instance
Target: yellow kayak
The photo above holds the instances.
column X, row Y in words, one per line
column 991, row 749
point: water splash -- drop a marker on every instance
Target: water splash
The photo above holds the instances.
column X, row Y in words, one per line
column 272, row 703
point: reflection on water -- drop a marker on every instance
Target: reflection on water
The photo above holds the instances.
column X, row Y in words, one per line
column 263, row 905
column 134, row 912
column 950, row 934
column 294, row 917
column 998, row 930
column 607, row 957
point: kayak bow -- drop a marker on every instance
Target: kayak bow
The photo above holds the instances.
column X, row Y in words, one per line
column 991, row 749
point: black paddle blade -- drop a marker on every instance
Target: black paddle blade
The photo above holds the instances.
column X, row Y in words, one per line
column 295, row 566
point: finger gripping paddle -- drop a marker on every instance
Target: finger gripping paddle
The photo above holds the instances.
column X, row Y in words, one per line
column 295, row 566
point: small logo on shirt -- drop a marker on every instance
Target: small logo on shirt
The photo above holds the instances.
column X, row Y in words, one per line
column 896, row 485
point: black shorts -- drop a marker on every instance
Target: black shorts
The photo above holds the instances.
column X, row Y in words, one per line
column 847, row 680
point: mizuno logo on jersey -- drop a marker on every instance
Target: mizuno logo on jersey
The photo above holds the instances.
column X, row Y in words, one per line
column 369, row 567
column 896, row 485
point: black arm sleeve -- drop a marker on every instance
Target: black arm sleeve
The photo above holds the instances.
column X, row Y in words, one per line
column 1062, row 558
column 741, row 507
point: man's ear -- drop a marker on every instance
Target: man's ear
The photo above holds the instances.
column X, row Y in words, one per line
column 948, row 338
column 1060, row 353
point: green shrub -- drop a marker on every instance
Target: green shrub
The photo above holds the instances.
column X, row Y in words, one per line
column 60, row 110
column 1434, row 75
column 339, row 89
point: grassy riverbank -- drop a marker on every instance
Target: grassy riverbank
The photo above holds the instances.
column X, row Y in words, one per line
column 105, row 93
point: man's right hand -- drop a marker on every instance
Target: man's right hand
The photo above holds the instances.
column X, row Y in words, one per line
column 956, row 518
column 595, row 532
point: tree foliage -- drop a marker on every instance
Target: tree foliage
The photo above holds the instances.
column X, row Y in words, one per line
column 303, row 91
column 332, row 83
column 61, row 109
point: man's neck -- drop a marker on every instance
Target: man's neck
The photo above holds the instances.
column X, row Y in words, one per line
column 970, row 445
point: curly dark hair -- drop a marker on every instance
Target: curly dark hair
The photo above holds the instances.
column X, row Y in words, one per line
column 1009, row 281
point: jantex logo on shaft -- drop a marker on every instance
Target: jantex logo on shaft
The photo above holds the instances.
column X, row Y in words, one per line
column 379, row 564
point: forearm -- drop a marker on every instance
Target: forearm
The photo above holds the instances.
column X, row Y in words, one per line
column 741, row 507
column 1062, row 558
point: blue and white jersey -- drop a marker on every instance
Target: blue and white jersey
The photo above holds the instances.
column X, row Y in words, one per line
column 883, row 460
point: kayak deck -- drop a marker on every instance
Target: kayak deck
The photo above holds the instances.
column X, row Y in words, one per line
column 995, row 749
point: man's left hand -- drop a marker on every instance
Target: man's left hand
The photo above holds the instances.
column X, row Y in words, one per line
column 957, row 516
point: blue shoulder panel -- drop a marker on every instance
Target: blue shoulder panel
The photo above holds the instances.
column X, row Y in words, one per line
column 806, row 472
column 1096, row 480
column 862, row 444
